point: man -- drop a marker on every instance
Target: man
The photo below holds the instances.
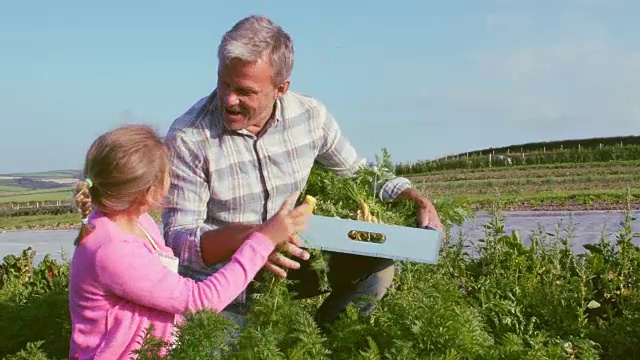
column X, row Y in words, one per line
column 238, row 153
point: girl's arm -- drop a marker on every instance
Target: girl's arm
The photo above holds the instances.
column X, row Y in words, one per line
column 128, row 270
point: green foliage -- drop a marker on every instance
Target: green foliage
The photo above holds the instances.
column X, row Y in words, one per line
column 494, row 298
column 340, row 197
column 32, row 351
column 34, row 307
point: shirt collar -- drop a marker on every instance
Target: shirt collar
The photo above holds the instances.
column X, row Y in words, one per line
column 279, row 113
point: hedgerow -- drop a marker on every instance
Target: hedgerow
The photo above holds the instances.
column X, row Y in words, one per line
column 489, row 298
column 567, row 156
column 31, row 211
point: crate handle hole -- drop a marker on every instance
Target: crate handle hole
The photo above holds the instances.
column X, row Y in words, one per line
column 366, row 236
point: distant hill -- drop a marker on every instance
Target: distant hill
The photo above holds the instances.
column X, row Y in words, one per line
column 20, row 182
column 586, row 143
column 31, row 184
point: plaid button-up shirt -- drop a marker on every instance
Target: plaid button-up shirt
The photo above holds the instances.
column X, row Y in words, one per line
column 220, row 176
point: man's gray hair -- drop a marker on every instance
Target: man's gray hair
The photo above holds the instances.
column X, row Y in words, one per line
column 257, row 37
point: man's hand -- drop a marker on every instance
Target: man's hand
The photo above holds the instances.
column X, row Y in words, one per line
column 427, row 215
column 278, row 261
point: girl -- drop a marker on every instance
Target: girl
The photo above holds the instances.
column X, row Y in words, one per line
column 123, row 277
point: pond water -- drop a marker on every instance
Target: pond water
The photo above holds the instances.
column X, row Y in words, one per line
column 587, row 226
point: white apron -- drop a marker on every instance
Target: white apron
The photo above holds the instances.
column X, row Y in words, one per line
column 170, row 261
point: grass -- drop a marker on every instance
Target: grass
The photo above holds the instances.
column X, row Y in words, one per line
column 24, row 191
column 38, row 196
column 11, row 189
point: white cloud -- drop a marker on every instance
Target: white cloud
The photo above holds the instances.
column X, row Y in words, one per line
column 573, row 75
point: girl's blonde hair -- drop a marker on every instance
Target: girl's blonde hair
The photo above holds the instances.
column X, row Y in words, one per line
column 121, row 166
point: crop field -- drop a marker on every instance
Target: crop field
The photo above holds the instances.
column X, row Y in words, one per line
column 533, row 171
column 567, row 187
column 38, row 195
column 493, row 299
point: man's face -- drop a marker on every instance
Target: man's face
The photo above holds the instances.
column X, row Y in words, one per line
column 246, row 94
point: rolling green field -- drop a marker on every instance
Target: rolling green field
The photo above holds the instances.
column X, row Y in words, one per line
column 559, row 186
column 45, row 195
column 8, row 189
column 42, row 187
column 590, row 186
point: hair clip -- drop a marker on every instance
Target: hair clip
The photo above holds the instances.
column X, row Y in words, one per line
column 85, row 221
column 89, row 182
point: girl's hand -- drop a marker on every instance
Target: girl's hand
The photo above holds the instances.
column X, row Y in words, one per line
column 286, row 223
column 283, row 229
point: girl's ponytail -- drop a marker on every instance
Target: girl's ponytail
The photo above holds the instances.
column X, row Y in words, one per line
column 83, row 204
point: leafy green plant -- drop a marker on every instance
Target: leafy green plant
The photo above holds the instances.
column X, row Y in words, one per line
column 34, row 305
column 488, row 298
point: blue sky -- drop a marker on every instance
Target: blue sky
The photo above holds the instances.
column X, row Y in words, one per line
column 422, row 78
